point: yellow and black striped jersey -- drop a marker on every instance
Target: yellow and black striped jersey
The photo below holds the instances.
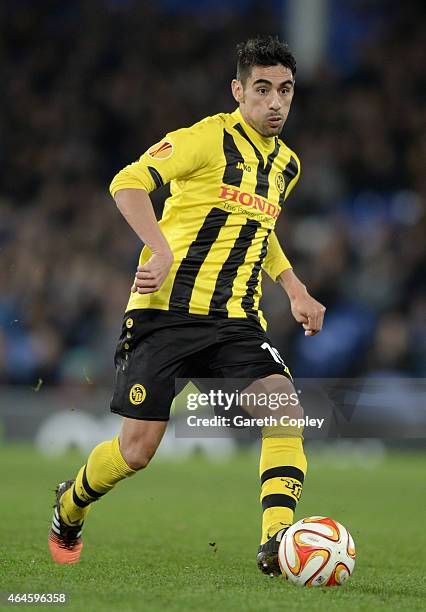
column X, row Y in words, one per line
column 228, row 185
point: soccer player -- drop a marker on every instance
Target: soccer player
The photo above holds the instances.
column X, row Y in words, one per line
column 194, row 303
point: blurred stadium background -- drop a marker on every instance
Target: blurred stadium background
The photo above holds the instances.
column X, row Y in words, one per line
column 88, row 86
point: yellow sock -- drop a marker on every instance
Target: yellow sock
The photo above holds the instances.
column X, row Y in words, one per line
column 104, row 468
column 282, row 472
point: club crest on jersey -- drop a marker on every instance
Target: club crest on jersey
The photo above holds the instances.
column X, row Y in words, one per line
column 279, row 182
column 161, row 150
column 137, row 394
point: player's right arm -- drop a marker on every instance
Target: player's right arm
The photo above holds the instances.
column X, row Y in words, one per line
column 178, row 155
column 136, row 207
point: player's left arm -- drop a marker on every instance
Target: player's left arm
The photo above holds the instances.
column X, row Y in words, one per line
column 275, row 260
column 305, row 309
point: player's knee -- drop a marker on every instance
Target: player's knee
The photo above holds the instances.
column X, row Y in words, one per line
column 282, row 397
column 291, row 404
column 138, row 456
column 136, row 460
column 297, row 411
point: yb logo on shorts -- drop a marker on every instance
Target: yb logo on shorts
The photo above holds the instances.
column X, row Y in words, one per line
column 294, row 486
column 137, row 394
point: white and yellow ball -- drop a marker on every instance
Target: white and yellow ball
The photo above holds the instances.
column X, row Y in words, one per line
column 317, row 551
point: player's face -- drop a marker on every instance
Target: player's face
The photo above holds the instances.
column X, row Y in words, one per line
column 265, row 98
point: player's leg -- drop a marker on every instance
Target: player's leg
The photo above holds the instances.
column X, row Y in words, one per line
column 282, row 471
column 144, row 402
column 108, row 463
column 245, row 352
column 152, row 352
column 282, row 460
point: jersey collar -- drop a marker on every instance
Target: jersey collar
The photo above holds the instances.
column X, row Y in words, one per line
column 264, row 143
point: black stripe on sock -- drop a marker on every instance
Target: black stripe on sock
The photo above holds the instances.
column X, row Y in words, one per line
column 285, row 471
column 79, row 502
column 278, row 499
column 88, row 488
column 228, row 272
column 156, row 176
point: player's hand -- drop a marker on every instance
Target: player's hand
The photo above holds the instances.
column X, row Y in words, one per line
column 308, row 311
column 152, row 274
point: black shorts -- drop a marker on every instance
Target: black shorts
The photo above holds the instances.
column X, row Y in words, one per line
column 157, row 347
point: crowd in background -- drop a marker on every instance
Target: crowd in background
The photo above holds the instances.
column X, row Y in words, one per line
column 87, row 87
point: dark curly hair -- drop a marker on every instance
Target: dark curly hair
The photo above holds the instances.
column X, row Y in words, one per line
column 262, row 51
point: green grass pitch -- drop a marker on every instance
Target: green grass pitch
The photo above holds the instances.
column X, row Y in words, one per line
column 148, row 543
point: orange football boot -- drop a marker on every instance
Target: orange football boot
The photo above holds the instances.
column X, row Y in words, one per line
column 65, row 543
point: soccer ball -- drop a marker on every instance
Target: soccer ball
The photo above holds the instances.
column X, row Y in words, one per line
column 317, row 551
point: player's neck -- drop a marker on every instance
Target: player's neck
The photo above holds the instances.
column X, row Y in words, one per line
column 266, row 141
